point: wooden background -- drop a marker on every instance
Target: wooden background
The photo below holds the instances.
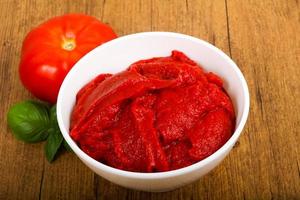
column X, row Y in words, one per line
column 262, row 36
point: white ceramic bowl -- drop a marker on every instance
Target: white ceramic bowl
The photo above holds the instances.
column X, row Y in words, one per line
column 116, row 56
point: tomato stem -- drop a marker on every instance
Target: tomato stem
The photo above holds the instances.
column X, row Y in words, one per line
column 69, row 44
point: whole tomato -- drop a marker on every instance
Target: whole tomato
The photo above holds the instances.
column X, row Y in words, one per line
column 50, row 50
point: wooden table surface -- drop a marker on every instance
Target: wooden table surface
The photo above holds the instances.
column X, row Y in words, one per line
column 261, row 36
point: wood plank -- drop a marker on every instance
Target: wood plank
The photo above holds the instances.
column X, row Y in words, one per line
column 67, row 178
column 264, row 38
column 21, row 165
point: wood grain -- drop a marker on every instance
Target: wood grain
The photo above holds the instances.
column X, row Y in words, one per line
column 265, row 44
column 261, row 36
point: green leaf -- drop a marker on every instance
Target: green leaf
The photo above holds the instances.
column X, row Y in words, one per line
column 29, row 121
column 33, row 121
column 55, row 138
column 53, row 119
column 53, row 143
column 66, row 146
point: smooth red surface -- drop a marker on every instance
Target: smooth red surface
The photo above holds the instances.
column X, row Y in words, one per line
column 161, row 114
column 46, row 59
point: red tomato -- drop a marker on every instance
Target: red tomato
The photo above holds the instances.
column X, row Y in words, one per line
column 50, row 50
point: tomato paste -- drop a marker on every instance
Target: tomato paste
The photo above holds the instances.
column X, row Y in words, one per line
column 160, row 114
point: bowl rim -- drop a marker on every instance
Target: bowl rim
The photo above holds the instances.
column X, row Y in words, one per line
column 157, row 175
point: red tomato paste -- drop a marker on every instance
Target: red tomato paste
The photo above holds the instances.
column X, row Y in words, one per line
column 160, row 114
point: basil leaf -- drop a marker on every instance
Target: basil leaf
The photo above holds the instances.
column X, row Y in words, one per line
column 66, row 146
column 29, row 121
column 53, row 119
column 53, row 143
column 55, row 139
